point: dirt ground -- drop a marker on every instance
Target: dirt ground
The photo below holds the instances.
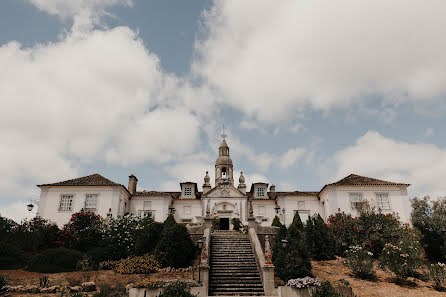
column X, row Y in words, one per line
column 24, row 278
column 383, row 286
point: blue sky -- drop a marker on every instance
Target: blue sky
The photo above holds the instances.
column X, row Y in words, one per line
column 308, row 92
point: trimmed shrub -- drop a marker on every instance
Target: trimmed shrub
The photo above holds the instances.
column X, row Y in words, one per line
column 11, row 256
column 108, row 291
column 177, row 289
column 83, row 232
column 276, row 222
column 360, row 261
column 139, row 264
column 404, row 257
column 437, row 274
column 55, row 260
column 175, row 249
column 321, row 242
column 325, row 290
column 430, row 218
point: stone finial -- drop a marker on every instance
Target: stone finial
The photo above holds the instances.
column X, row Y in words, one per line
column 207, row 183
column 242, row 186
column 208, row 210
column 268, row 252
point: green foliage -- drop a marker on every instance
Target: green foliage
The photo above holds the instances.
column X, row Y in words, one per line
column 325, row 290
column 403, row 257
column 321, row 242
column 6, row 228
column 360, row 261
column 293, row 261
column 215, row 223
column 175, row 248
column 3, row 282
column 430, row 218
column 169, row 222
column 11, row 256
column 83, row 232
column 147, row 236
column 276, row 222
column 139, row 264
column 35, row 234
column 120, row 235
column 55, row 260
column 437, row 274
column 99, row 254
column 177, row 289
column 108, row 291
column 236, row 223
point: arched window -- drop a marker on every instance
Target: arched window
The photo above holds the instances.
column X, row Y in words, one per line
column 223, row 172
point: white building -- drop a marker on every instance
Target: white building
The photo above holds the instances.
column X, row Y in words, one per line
column 58, row 201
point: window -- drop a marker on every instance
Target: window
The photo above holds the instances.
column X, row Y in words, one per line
column 223, row 173
column 260, row 191
column 300, row 205
column 262, row 211
column 66, row 202
column 355, row 199
column 304, row 215
column 147, row 205
column 188, row 191
column 383, row 200
column 187, row 210
column 147, row 213
column 91, row 201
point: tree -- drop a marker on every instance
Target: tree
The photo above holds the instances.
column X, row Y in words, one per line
column 279, row 255
column 276, row 222
column 175, row 248
column 430, row 218
column 320, row 240
column 147, row 236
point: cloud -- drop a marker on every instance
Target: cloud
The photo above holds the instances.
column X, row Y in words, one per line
column 17, row 211
column 97, row 96
column 287, row 186
column 289, row 158
column 273, row 59
column 422, row 165
column 85, row 13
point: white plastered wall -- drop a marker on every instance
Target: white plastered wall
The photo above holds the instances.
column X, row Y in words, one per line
column 160, row 206
column 311, row 204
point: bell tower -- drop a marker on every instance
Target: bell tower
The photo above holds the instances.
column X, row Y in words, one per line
column 223, row 165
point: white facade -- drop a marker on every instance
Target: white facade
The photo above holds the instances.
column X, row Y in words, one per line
column 223, row 200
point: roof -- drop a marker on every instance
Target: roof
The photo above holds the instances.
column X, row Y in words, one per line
column 88, row 181
column 152, row 193
column 358, row 180
column 297, row 193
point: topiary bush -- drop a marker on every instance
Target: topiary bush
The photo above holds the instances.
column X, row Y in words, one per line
column 276, row 222
column 177, row 289
column 55, row 260
column 325, row 290
column 175, row 248
column 321, row 242
column 360, row 261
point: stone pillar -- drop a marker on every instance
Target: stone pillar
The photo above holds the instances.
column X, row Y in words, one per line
column 204, row 277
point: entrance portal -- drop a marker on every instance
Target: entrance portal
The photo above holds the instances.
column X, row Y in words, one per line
column 224, row 224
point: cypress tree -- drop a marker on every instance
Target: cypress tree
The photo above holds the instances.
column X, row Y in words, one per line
column 321, row 243
column 276, row 222
column 298, row 259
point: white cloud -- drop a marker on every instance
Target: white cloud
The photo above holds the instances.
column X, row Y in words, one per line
column 272, row 59
column 289, row 158
column 96, row 96
column 296, row 128
column 422, row 165
column 85, row 13
column 17, row 211
column 287, row 186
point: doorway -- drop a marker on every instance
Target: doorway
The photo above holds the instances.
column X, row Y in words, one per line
column 224, row 224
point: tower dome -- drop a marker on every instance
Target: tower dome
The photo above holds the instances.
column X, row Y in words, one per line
column 223, row 164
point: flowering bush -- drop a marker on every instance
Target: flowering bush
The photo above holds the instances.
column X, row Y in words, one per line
column 83, row 231
column 345, row 229
column 155, row 283
column 140, row 264
column 403, row 257
column 437, row 273
column 120, row 235
column 304, row 282
column 360, row 261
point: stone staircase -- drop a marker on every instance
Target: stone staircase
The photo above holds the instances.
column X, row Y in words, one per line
column 233, row 268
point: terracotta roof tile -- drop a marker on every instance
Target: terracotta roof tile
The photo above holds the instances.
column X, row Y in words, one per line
column 357, row 180
column 89, row 180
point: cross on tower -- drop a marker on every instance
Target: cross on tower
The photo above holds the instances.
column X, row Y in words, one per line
column 224, row 135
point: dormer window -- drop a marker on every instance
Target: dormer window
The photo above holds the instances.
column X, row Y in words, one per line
column 260, row 191
column 188, row 191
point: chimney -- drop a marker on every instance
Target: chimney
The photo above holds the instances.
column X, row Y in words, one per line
column 133, row 181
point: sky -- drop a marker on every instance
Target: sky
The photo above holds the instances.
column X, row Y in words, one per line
column 308, row 91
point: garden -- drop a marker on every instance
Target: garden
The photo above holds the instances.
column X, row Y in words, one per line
column 373, row 248
column 90, row 254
